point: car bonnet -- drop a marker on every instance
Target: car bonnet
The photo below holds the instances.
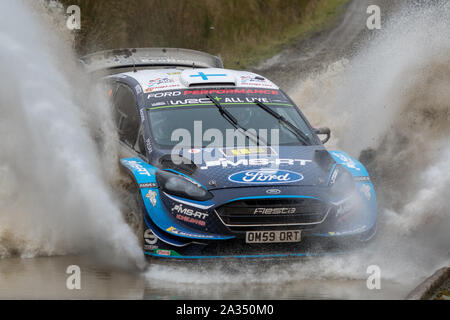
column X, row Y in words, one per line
column 217, row 168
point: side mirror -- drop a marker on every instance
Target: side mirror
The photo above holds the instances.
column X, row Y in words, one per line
column 321, row 131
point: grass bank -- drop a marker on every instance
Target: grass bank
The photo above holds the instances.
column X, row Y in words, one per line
column 242, row 32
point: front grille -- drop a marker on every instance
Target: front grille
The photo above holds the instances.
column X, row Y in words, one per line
column 273, row 212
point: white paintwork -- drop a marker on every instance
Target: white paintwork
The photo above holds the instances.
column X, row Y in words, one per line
column 154, row 80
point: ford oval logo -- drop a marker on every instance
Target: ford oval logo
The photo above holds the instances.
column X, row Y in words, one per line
column 273, row 191
column 261, row 176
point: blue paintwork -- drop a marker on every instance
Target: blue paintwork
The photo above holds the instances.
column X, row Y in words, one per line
column 168, row 229
column 314, row 185
column 145, row 173
column 353, row 166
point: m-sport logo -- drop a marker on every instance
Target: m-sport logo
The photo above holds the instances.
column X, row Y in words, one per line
column 260, row 176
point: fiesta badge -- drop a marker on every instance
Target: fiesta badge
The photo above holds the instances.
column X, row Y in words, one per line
column 262, row 176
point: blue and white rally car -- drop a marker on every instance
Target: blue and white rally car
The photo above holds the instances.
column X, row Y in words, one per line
column 225, row 164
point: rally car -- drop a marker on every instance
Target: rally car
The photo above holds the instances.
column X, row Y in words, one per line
column 225, row 164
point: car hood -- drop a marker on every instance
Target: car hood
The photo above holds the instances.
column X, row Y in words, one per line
column 234, row 168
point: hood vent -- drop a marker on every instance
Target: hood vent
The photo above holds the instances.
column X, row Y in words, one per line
column 182, row 164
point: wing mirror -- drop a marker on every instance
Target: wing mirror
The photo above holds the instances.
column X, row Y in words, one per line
column 323, row 131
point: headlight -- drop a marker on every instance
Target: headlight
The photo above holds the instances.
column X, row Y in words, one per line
column 178, row 185
column 341, row 183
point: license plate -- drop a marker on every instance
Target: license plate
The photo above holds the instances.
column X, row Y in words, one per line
column 273, row 236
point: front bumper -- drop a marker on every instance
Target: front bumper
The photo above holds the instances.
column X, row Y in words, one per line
column 185, row 229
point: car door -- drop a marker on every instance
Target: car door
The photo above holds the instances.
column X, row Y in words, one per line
column 127, row 118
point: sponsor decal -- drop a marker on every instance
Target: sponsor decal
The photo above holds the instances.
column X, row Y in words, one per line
column 138, row 89
column 349, row 163
column 251, row 78
column 190, row 220
column 180, row 98
column 255, row 81
column 224, row 163
column 265, row 176
column 151, row 195
column 334, row 176
column 163, row 252
column 234, row 152
column 148, row 145
column 182, row 233
column 273, row 191
column 159, row 83
column 164, row 94
column 138, row 167
column 149, row 237
column 147, row 185
column 206, row 101
column 366, row 190
column 189, row 101
column 274, row 210
column 231, row 91
column 158, row 104
column 178, row 208
column 166, row 252
column 162, row 87
column 150, row 247
column 361, row 179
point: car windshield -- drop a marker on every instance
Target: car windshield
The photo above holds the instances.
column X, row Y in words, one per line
column 176, row 113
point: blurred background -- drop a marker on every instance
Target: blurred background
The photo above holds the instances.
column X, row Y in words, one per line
column 242, row 33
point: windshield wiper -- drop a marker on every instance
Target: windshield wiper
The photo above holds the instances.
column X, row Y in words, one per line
column 296, row 131
column 227, row 115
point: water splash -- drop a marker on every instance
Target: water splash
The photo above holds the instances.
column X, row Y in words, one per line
column 54, row 198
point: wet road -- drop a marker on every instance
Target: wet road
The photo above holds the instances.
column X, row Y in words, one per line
column 46, row 277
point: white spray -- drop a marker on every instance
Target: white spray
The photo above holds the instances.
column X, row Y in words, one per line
column 53, row 195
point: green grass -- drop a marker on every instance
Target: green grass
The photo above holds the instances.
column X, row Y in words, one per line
column 320, row 16
column 241, row 32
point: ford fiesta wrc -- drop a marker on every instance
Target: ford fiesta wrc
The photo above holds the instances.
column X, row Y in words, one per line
column 224, row 164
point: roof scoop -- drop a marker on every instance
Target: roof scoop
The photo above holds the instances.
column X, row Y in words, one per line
column 207, row 77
